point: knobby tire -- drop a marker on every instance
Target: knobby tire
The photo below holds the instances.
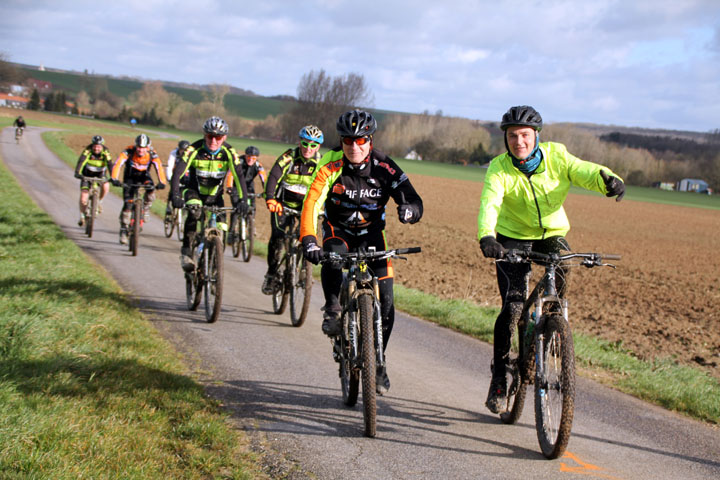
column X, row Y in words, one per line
column 517, row 379
column 235, row 229
column 349, row 374
column 135, row 232
column 300, row 289
column 213, row 255
column 169, row 224
column 555, row 387
column 248, row 237
column 281, row 292
column 369, row 371
column 90, row 215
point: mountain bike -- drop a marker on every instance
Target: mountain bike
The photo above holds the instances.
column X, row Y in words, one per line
column 174, row 221
column 207, row 277
column 93, row 202
column 136, row 216
column 242, row 231
column 18, row 134
column 293, row 279
column 359, row 347
column 542, row 351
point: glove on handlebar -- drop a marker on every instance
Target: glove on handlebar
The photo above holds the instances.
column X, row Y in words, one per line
column 241, row 207
column 408, row 213
column 491, row 248
column 78, row 176
column 116, row 182
column 613, row 185
column 160, row 186
column 177, row 201
column 312, row 251
column 274, row 206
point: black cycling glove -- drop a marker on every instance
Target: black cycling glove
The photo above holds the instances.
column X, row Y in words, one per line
column 613, row 185
column 491, row 248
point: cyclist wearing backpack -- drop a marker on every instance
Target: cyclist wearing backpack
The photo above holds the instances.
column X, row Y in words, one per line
column 94, row 161
column 286, row 186
column 354, row 184
column 137, row 160
column 521, row 207
column 206, row 162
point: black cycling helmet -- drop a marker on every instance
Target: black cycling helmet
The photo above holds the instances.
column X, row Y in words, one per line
column 183, row 144
column 252, row 151
column 356, row 123
column 98, row 140
column 215, row 126
column 142, row 140
column 522, row 115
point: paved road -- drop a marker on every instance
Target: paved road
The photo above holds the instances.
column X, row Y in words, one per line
column 281, row 384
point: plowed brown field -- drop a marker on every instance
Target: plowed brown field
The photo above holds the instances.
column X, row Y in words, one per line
column 662, row 300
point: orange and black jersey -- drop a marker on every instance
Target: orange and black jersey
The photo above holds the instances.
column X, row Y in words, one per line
column 138, row 166
column 354, row 197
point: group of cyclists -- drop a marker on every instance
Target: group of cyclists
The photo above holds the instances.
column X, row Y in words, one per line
column 351, row 185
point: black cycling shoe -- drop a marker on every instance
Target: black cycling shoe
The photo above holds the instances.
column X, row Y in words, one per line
column 497, row 396
column 382, row 382
column 267, row 286
column 331, row 326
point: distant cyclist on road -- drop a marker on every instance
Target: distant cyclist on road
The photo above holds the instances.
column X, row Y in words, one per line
column 94, row 161
column 172, row 158
column 206, row 162
column 135, row 162
column 19, row 125
column 521, row 208
column 354, row 184
column 251, row 168
column 286, row 186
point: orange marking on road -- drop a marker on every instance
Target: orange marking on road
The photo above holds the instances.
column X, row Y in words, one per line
column 583, row 468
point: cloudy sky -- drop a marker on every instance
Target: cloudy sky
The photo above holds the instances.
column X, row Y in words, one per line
column 653, row 64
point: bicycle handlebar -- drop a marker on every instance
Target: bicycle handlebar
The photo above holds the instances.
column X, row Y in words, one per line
column 146, row 186
column 369, row 255
column 588, row 259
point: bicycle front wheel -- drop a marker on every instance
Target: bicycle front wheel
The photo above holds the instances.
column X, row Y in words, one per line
column 300, row 290
column 369, row 371
column 280, row 291
column 555, row 386
column 247, row 234
column 90, row 213
column 213, row 271
column 137, row 215
column 235, row 234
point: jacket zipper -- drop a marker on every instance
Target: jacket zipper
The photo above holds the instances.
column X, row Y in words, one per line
column 537, row 206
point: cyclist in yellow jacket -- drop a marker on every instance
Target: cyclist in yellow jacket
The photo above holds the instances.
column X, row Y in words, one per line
column 522, row 207
column 94, row 161
column 286, row 186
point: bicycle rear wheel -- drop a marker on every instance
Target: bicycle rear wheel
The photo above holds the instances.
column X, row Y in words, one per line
column 280, row 291
column 235, row 234
column 300, row 289
column 369, row 371
column 90, row 213
column 137, row 215
column 517, row 378
column 169, row 223
column 213, row 286
column 193, row 292
column 555, row 386
column 247, row 237
column 349, row 375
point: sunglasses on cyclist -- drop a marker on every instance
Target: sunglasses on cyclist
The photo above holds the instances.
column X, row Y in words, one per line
column 309, row 144
column 358, row 140
column 213, row 137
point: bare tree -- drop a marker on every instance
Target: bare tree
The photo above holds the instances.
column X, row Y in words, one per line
column 322, row 98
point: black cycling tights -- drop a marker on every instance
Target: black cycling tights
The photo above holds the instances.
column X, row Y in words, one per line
column 512, row 283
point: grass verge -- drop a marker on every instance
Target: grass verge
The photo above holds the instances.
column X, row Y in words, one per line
column 88, row 389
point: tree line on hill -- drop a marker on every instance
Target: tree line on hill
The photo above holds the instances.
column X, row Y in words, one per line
column 640, row 159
